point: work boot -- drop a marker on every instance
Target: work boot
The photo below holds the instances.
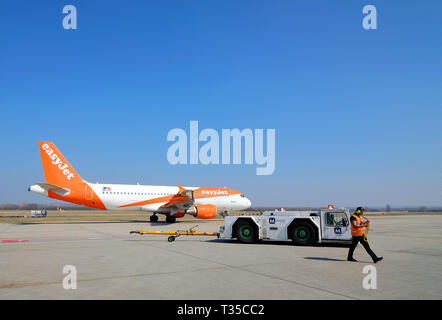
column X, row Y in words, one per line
column 352, row 259
column 377, row 259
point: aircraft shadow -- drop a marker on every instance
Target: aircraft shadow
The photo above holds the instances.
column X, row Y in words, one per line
column 78, row 222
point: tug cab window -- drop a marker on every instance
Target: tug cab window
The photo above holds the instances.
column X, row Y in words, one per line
column 336, row 219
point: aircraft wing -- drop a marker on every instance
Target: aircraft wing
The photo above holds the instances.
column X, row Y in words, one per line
column 182, row 200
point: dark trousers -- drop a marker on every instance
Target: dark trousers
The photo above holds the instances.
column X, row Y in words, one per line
column 354, row 243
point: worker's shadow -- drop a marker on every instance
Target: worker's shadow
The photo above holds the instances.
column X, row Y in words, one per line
column 323, row 259
column 333, row 260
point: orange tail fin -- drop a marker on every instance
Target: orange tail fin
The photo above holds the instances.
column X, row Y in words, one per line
column 56, row 168
column 59, row 173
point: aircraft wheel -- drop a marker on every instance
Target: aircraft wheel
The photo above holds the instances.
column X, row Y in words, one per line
column 170, row 219
column 153, row 218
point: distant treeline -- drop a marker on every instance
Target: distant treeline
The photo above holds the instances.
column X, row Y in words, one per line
column 36, row 206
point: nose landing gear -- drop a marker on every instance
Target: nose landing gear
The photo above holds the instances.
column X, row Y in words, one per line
column 224, row 214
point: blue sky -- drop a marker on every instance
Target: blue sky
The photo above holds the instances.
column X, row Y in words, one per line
column 357, row 112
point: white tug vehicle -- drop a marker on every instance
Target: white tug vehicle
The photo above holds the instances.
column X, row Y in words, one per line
column 304, row 227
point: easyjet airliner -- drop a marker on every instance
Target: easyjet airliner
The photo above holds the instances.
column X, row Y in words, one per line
column 64, row 183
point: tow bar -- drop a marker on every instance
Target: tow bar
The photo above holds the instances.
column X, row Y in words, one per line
column 175, row 234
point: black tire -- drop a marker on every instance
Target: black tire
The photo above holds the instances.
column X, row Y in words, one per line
column 153, row 218
column 246, row 232
column 171, row 239
column 170, row 219
column 303, row 234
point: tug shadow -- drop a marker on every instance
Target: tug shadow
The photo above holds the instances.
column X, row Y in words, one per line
column 283, row 243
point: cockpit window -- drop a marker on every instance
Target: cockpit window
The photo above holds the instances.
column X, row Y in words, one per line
column 243, row 196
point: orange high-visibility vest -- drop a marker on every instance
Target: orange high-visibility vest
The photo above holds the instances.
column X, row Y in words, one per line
column 359, row 230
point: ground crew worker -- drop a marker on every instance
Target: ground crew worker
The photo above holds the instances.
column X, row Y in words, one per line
column 332, row 220
column 358, row 235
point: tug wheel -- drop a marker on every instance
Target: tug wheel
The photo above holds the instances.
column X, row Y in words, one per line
column 303, row 234
column 246, row 232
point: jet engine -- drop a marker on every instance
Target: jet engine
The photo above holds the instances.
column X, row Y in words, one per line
column 203, row 211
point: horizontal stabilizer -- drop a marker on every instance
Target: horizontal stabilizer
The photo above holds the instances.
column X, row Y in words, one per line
column 50, row 187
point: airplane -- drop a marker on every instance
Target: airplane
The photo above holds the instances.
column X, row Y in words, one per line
column 64, row 183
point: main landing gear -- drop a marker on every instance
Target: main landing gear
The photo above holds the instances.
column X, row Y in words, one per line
column 169, row 219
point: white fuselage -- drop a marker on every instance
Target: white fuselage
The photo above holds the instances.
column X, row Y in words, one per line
column 114, row 196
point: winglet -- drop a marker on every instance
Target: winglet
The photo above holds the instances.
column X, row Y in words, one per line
column 181, row 189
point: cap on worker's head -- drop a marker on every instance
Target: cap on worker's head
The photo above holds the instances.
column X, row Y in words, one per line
column 359, row 209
